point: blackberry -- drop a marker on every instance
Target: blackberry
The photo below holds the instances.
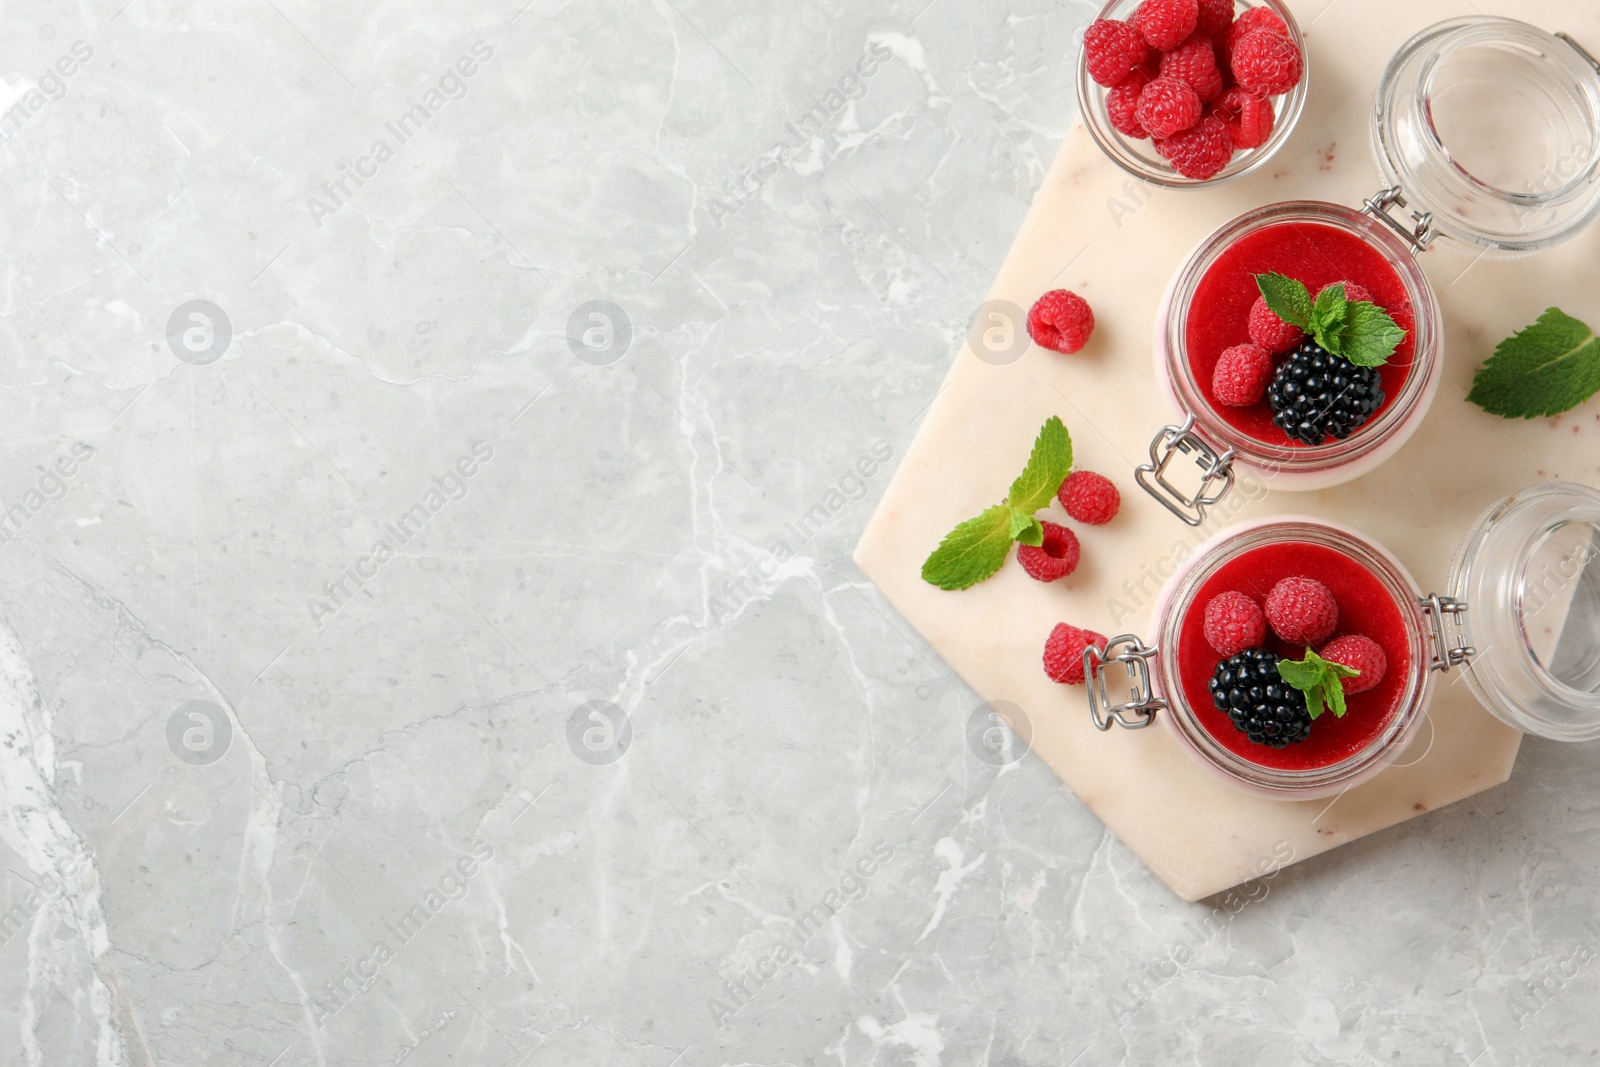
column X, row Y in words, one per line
column 1248, row 689
column 1316, row 395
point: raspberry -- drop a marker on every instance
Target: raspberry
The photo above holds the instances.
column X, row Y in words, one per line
column 1240, row 378
column 1249, row 117
column 1194, row 62
column 1362, row 653
column 1266, row 63
column 1089, row 497
column 1250, row 20
column 1063, row 652
column 1354, row 293
column 1259, row 18
column 1061, row 321
column 1216, row 19
column 1055, row 557
column 1201, row 152
column 1122, row 104
column 1271, row 332
column 1112, row 50
column 1234, row 623
column 1302, row 611
column 1164, row 23
column 1167, row 107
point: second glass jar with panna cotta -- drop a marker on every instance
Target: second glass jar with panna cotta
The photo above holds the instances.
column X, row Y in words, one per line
column 1450, row 105
column 1520, row 614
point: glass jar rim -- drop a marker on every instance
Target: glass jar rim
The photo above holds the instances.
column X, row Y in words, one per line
column 1491, row 573
column 1228, row 545
column 1121, row 151
column 1416, row 154
column 1421, row 382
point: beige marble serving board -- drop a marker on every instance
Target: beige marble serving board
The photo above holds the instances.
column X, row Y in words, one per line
column 1116, row 241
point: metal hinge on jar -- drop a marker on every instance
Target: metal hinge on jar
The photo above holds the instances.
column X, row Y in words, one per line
column 1588, row 57
column 1449, row 645
column 1140, row 709
column 1216, row 472
column 1421, row 235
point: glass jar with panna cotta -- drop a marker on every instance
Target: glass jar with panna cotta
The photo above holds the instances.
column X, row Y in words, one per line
column 1491, row 127
column 1520, row 615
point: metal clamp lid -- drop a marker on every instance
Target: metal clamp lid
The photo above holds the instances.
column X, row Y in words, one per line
column 1449, row 649
column 1587, row 56
column 1216, row 472
column 1420, row 236
column 1140, row 709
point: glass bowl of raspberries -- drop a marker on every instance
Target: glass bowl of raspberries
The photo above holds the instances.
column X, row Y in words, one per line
column 1185, row 93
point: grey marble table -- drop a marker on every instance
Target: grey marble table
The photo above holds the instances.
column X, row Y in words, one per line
column 434, row 436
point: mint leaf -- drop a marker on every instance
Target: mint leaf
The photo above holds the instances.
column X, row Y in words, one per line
column 1550, row 367
column 978, row 547
column 972, row 551
column 1328, row 318
column 1360, row 331
column 1290, row 300
column 1338, row 670
column 1371, row 335
column 1333, row 692
column 1300, row 675
column 1319, row 681
column 1025, row 529
column 1048, row 466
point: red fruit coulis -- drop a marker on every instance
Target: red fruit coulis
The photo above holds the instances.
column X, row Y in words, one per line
column 1365, row 607
column 1315, row 254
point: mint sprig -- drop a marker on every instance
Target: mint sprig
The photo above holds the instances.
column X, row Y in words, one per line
column 1319, row 680
column 1356, row 330
column 977, row 548
column 1551, row 367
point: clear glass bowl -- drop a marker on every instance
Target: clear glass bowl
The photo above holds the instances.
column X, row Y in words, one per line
column 1139, row 157
column 1299, row 466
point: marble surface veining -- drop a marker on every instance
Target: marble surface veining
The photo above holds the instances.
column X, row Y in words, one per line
column 433, row 438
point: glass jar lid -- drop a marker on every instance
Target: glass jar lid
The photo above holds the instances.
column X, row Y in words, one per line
column 1529, row 573
column 1492, row 126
